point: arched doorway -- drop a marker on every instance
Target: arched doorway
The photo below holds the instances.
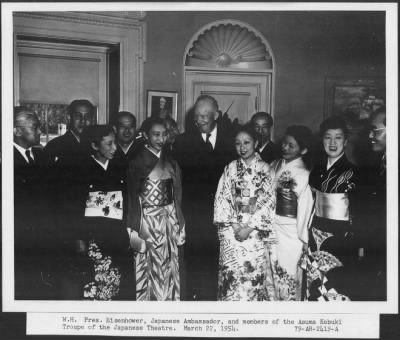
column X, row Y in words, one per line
column 234, row 63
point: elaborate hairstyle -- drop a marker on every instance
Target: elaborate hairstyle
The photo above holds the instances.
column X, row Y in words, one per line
column 150, row 122
column 79, row 102
column 302, row 134
column 171, row 122
column 263, row 115
column 247, row 128
column 94, row 134
column 333, row 123
column 207, row 98
column 125, row 114
column 304, row 138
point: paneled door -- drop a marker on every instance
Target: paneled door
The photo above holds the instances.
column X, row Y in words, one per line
column 241, row 94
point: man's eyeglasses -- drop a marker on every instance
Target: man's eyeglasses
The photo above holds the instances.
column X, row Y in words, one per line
column 375, row 131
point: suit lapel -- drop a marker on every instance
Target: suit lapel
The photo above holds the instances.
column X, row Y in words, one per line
column 19, row 160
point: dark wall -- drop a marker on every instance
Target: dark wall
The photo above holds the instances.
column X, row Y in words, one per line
column 308, row 46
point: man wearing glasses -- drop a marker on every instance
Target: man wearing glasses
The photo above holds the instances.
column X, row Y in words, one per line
column 374, row 219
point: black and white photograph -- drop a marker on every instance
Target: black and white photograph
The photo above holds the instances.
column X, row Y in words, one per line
column 175, row 159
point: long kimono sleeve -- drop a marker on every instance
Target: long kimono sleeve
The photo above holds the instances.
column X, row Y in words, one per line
column 178, row 203
column 264, row 212
column 224, row 209
column 305, row 203
column 133, row 216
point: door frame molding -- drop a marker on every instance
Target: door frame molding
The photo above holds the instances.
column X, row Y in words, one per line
column 125, row 28
column 186, row 104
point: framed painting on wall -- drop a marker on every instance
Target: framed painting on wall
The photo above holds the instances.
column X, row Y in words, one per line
column 354, row 98
column 162, row 104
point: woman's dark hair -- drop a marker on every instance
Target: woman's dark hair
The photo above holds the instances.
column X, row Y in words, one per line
column 150, row 122
column 247, row 128
column 94, row 134
column 304, row 138
column 302, row 134
column 333, row 123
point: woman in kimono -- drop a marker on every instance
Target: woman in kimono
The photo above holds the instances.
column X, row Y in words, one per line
column 155, row 220
column 332, row 253
column 294, row 204
column 243, row 213
column 104, row 235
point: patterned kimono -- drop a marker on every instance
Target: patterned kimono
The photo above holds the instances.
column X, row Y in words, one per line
column 111, row 274
column 245, row 196
column 294, row 204
column 332, row 254
column 154, row 194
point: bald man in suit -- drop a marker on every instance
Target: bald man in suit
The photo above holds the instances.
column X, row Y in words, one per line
column 202, row 154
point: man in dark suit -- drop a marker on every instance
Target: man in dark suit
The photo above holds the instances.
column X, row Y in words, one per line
column 69, row 152
column 262, row 123
column 125, row 129
column 202, row 154
column 373, row 221
column 33, row 232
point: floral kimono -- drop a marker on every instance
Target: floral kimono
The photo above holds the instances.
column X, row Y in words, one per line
column 332, row 254
column 158, row 227
column 245, row 196
column 103, row 228
column 294, row 204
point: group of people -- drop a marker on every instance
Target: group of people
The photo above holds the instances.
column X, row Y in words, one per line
column 106, row 213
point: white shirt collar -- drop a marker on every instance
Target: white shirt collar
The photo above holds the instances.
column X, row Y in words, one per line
column 125, row 150
column 23, row 150
column 157, row 154
column 213, row 136
column 263, row 147
column 104, row 166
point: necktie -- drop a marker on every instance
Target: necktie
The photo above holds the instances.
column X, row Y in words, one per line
column 208, row 143
column 30, row 159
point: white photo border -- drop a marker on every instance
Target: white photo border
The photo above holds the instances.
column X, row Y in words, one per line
column 11, row 305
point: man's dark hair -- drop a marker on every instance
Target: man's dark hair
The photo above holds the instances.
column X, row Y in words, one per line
column 22, row 113
column 379, row 111
column 262, row 115
column 123, row 114
column 79, row 102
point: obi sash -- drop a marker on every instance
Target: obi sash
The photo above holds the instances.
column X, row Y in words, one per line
column 286, row 205
column 104, row 204
column 156, row 193
column 334, row 206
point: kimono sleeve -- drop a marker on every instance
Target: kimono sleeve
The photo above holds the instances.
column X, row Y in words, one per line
column 262, row 218
column 305, row 204
column 133, row 216
column 178, row 204
column 224, row 211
